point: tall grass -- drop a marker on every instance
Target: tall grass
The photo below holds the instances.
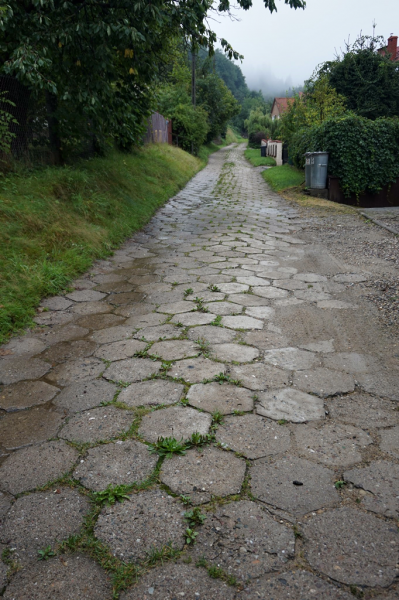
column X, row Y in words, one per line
column 55, row 221
column 254, row 157
column 281, row 178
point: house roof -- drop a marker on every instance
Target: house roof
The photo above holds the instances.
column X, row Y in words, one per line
column 283, row 103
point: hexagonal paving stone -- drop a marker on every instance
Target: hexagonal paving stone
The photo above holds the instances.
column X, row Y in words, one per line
column 33, row 467
column 204, row 473
column 5, row 503
column 291, row 405
column 223, row 308
column 244, row 541
column 324, row 382
column 174, row 349
column 174, row 580
column 70, row 578
column 266, row 339
column 13, row 370
column 155, row 334
column 225, row 398
column 120, row 350
column 112, row 334
column 242, row 322
column 353, row 547
column 151, row 393
column 390, row 441
column 26, row 394
column 295, row 585
column 269, row 292
column 115, row 464
column 253, row 280
column 195, row 370
column 85, row 296
column 102, row 423
column 115, row 287
column 85, row 395
column 69, row 351
column 253, row 436
column 178, row 422
column 42, row 519
column 248, row 300
column 131, row 369
column 74, row 371
column 259, row 376
column 22, row 346
column 211, row 334
column 194, row 318
column 293, row 485
column 146, row 320
column 29, row 427
column 175, row 308
column 380, row 383
column 260, row 312
column 91, row 308
column 234, row 352
column 381, row 480
column 150, row 519
column 52, row 319
column 364, row 410
column 290, row 358
column 56, row 303
column 332, row 444
column 66, row 333
column 100, row 321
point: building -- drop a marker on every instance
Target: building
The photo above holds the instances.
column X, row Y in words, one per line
column 280, row 106
column 391, row 48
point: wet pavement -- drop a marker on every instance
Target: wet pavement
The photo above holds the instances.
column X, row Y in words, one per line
column 225, row 326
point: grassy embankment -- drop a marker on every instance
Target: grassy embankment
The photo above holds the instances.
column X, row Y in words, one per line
column 254, row 157
column 289, row 182
column 55, row 221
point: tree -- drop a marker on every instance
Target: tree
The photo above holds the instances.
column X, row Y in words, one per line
column 319, row 103
column 368, row 80
column 260, row 125
column 96, row 60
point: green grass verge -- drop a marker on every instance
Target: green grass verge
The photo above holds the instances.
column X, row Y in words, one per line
column 55, row 221
column 281, row 178
column 257, row 160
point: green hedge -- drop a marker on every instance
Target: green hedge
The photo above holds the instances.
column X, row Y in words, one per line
column 363, row 154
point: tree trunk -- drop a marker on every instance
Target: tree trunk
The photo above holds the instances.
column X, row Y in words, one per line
column 53, row 127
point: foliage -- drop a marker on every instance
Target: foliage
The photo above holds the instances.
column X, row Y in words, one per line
column 46, row 553
column 6, row 136
column 55, row 222
column 190, row 535
column 368, row 80
column 168, row 447
column 194, row 516
column 215, row 97
column 363, row 154
column 281, row 178
column 319, row 102
column 257, row 160
column 112, row 494
column 260, row 125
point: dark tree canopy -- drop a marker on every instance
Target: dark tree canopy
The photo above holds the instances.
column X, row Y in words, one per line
column 368, row 80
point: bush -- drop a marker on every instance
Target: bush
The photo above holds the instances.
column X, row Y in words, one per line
column 363, row 154
column 191, row 124
column 255, row 139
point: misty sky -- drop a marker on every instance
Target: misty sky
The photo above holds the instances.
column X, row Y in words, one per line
column 283, row 49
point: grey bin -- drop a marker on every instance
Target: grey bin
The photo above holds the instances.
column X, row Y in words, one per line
column 307, row 169
column 318, row 170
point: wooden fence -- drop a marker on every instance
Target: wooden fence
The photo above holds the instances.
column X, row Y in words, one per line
column 159, row 130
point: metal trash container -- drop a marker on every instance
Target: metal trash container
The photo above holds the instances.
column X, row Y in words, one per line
column 263, row 150
column 307, row 169
column 318, row 170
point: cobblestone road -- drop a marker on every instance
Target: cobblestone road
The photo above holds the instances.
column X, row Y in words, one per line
column 224, row 326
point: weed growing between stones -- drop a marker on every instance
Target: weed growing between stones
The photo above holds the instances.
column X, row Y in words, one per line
column 222, row 377
column 46, row 553
column 190, row 535
column 168, row 446
column 112, row 494
column 200, row 307
column 213, row 288
column 203, row 346
column 188, row 291
column 217, row 322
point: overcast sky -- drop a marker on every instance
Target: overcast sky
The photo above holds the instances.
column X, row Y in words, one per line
column 283, row 49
